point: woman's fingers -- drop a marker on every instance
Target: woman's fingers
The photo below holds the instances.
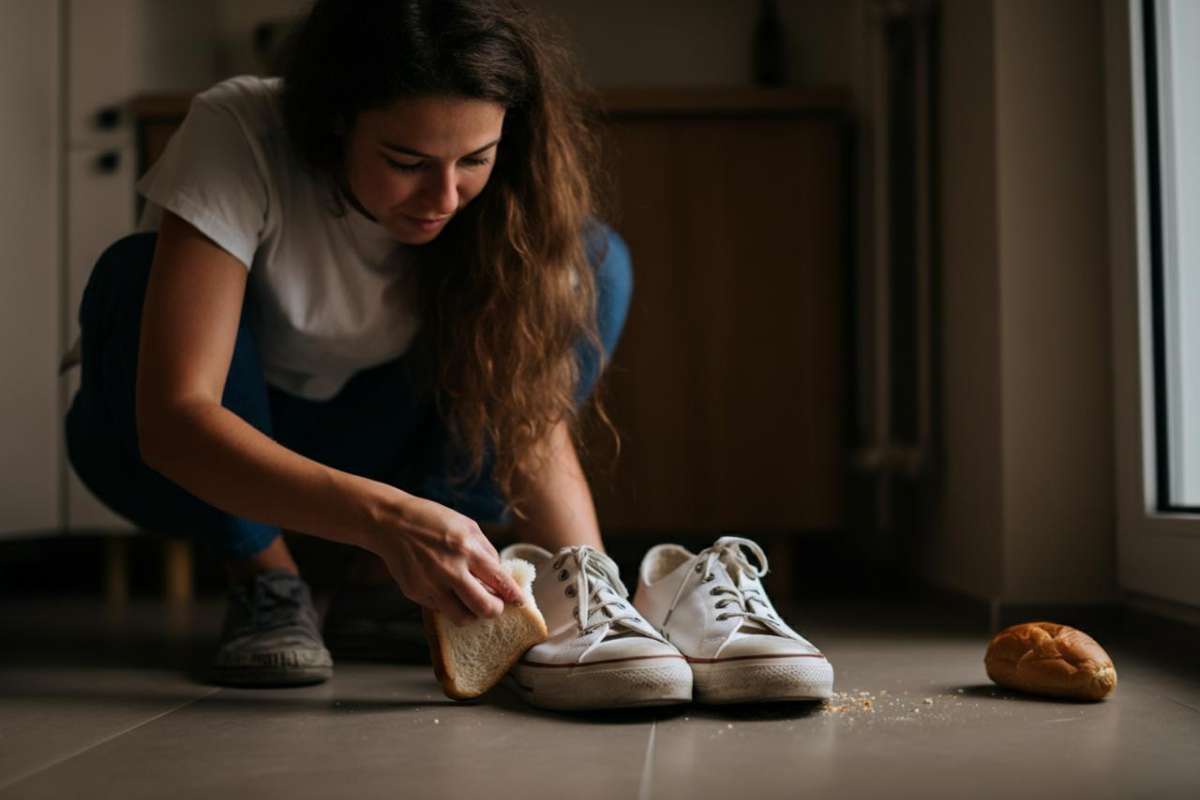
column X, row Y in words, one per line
column 477, row 599
column 497, row 579
column 491, row 548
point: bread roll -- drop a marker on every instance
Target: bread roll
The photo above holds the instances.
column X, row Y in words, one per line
column 1050, row 659
column 472, row 658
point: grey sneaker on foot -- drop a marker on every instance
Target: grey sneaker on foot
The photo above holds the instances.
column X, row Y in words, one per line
column 271, row 635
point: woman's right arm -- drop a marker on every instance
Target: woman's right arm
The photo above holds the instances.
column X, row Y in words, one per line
column 193, row 304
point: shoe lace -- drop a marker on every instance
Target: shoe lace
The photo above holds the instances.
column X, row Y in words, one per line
column 598, row 590
column 269, row 604
column 728, row 551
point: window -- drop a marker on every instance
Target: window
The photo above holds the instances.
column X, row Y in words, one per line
column 1153, row 105
column 1170, row 31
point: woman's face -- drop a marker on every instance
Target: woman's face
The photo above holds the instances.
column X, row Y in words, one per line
column 415, row 164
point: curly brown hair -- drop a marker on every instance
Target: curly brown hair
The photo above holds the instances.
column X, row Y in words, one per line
column 507, row 293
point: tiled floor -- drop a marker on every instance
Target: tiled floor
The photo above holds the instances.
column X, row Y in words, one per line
column 97, row 707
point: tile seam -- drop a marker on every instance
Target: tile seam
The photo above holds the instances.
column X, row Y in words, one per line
column 1185, row 705
column 6, row 785
column 647, row 765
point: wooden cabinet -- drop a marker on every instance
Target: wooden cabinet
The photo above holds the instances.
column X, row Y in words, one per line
column 730, row 386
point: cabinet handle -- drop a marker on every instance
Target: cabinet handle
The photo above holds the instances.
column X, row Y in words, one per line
column 108, row 118
column 109, row 162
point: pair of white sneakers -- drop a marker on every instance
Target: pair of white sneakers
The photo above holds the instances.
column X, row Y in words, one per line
column 700, row 627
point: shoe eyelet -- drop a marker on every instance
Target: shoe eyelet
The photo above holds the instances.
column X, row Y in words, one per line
column 570, row 591
column 721, row 617
column 558, row 562
column 699, row 567
column 722, row 603
column 562, row 576
column 710, row 579
column 713, row 591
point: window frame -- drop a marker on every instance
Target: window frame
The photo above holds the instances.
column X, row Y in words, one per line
column 1158, row 552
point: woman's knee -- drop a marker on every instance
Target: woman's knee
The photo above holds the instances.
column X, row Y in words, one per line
column 118, row 280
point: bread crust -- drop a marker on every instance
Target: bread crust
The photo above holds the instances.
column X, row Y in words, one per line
column 432, row 621
column 1050, row 659
column 437, row 653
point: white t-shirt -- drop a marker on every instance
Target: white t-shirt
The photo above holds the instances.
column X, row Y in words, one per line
column 328, row 295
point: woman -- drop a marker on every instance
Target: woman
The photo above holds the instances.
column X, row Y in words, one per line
column 368, row 313
column 373, row 305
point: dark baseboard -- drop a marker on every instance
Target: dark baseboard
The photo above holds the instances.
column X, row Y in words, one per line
column 816, row 562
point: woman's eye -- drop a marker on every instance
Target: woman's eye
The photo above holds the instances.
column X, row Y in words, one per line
column 396, row 165
column 469, row 163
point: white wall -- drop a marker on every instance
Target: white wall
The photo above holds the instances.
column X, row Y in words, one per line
column 1028, row 513
column 963, row 547
column 235, row 21
column 29, row 265
column 702, row 42
column 638, row 43
column 1054, row 278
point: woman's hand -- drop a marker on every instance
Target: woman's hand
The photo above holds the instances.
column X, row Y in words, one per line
column 441, row 559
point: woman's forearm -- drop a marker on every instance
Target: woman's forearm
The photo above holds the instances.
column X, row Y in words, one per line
column 558, row 502
column 226, row 462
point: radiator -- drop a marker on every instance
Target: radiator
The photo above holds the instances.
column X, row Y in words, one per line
column 898, row 372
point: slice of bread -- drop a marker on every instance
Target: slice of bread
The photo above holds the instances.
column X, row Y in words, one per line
column 472, row 658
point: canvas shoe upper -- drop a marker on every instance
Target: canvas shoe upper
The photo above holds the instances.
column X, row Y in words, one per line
column 271, row 635
column 600, row 653
column 714, row 608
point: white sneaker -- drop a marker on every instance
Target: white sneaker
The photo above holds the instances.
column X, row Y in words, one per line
column 601, row 653
column 713, row 607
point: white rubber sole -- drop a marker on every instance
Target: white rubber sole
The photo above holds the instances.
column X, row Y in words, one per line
column 763, row 680
column 629, row 683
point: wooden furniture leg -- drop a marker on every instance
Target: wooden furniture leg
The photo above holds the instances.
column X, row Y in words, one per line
column 177, row 572
column 116, row 573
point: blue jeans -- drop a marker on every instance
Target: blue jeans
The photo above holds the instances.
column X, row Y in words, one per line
column 382, row 425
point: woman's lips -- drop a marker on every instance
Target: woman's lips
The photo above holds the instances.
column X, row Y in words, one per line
column 426, row 224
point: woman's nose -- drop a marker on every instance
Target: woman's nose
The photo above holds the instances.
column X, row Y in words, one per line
column 441, row 192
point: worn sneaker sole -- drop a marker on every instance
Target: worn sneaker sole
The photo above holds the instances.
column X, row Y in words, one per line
column 627, row 683
column 276, row 669
column 762, row 680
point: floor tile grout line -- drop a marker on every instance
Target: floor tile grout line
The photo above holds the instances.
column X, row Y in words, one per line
column 4, row 787
column 647, row 765
column 1185, row 705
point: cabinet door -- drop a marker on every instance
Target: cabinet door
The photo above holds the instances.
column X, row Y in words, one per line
column 103, row 50
column 29, row 279
column 99, row 211
column 729, row 383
